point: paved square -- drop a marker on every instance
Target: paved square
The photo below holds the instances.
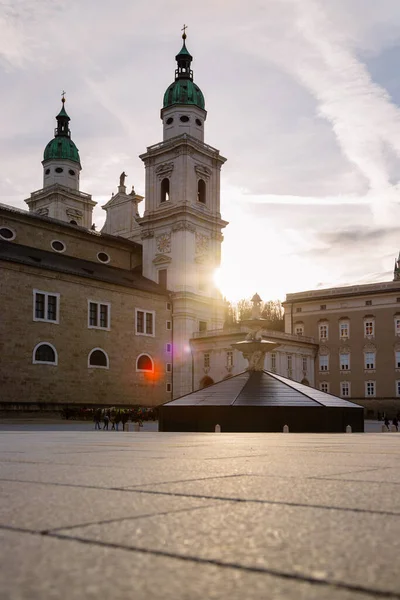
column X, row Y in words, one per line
column 87, row 514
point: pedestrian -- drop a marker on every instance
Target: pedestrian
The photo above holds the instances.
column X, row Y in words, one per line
column 117, row 419
column 97, row 418
column 396, row 423
column 387, row 423
column 106, row 420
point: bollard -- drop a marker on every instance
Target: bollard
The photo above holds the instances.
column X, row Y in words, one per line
column 136, row 427
column 218, row 429
column 286, row 429
column 349, row 429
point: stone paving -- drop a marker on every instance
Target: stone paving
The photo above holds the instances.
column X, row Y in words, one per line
column 87, row 514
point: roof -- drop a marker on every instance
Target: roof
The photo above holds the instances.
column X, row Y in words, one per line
column 184, row 91
column 260, row 388
column 61, row 147
column 51, row 261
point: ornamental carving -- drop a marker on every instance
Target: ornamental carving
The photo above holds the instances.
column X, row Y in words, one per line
column 183, row 226
column 202, row 243
column 74, row 212
column 42, row 211
column 344, row 350
column 323, row 350
column 202, row 172
column 217, row 235
column 369, row 347
column 164, row 243
column 147, row 234
column 164, row 170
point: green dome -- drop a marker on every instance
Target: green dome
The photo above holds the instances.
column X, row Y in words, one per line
column 61, row 147
column 184, row 91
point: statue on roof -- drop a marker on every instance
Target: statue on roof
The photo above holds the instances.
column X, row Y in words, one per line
column 122, row 178
column 256, row 309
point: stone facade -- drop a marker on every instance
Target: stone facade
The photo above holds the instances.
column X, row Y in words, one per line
column 358, row 332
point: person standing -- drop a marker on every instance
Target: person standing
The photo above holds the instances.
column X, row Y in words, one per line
column 106, row 421
column 97, row 418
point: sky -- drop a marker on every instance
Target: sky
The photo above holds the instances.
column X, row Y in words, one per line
column 303, row 99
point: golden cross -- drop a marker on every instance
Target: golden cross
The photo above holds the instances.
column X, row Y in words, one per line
column 184, row 30
column 63, row 96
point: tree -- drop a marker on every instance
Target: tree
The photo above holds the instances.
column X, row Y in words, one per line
column 271, row 312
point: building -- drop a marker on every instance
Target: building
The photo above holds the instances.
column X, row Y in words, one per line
column 357, row 329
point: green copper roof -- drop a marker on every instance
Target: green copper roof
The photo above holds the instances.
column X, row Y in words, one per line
column 184, row 91
column 61, row 147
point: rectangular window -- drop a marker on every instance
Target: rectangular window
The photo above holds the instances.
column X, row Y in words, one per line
column 289, row 362
column 324, row 362
column 345, row 389
column 299, row 329
column 206, row 360
column 323, row 332
column 169, row 325
column 229, row 358
column 169, row 306
column 304, row 359
column 98, row 315
column 298, row 309
column 369, row 360
column 397, row 326
column 169, row 348
column 398, row 388
column 169, row 387
column 368, row 303
column 344, row 329
column 202, row 326
column 345, row 362
column 324, row 387
column 397, row 360
column 169, row 367
column 145, row 322
column 323, row 307
column 273, row 361
column 162, row 278
column 45, row 306
column 369, row 328
column 370, row 388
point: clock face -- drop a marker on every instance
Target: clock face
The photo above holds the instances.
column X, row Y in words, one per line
column 164, row 243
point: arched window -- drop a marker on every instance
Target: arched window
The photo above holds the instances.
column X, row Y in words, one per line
column 206, row 381
column 45, row 354
column 201, row 191
column 98, row 359
column 165, row 190
column 144, row 363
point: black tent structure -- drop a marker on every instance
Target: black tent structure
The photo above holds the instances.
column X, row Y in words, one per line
column 260, row 401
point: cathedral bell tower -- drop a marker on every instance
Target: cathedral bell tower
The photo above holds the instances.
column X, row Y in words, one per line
column 60, row 197
column 181, row 226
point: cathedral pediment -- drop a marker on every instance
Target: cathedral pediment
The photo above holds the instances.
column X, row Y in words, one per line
column 161, row 259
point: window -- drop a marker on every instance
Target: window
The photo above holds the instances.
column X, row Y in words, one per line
column 169, row 325
column 201, row 191
column 144, row 363
column 344, row 361
column 45, row 354
column 98, row 359
column 345, row 389
column 144, row 322
column 206, row 360
column 397, row 325
column 165, row 190
column 298, row 309
column 103, row 257
column 398, row 388
column 369, row 328
column 169, row 367
column 202, row 326
column 169, row 121
column 7, row 234
column 169, row 387
column 299, row 329
column 169, row 348
column 323, row 331
column 162, row 278
column 369, row 360
column 368, row 303
column 289, row 362
column 344, row 329
column 324, row 387
column 324, row 362
column 45, row 306
column 229, row 358
column 273, row 361
column 98, row 315
column 58, row 246
column 169, row 306
column 370, row 388
column 322, row 307
column 304, row 360
column 397, row 359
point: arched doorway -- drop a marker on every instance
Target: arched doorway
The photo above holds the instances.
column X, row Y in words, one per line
column 206, row 381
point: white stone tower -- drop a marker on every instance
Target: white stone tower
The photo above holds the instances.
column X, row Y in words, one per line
column 60, row 197
column 181, row 226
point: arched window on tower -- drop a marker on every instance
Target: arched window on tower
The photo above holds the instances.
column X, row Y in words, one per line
column 201, row 191
column 165, row 190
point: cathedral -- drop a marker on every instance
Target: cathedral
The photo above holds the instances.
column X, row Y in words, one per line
column 130, row 314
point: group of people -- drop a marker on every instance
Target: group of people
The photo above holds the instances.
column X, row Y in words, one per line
column 395, row 422
column 111, row 416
